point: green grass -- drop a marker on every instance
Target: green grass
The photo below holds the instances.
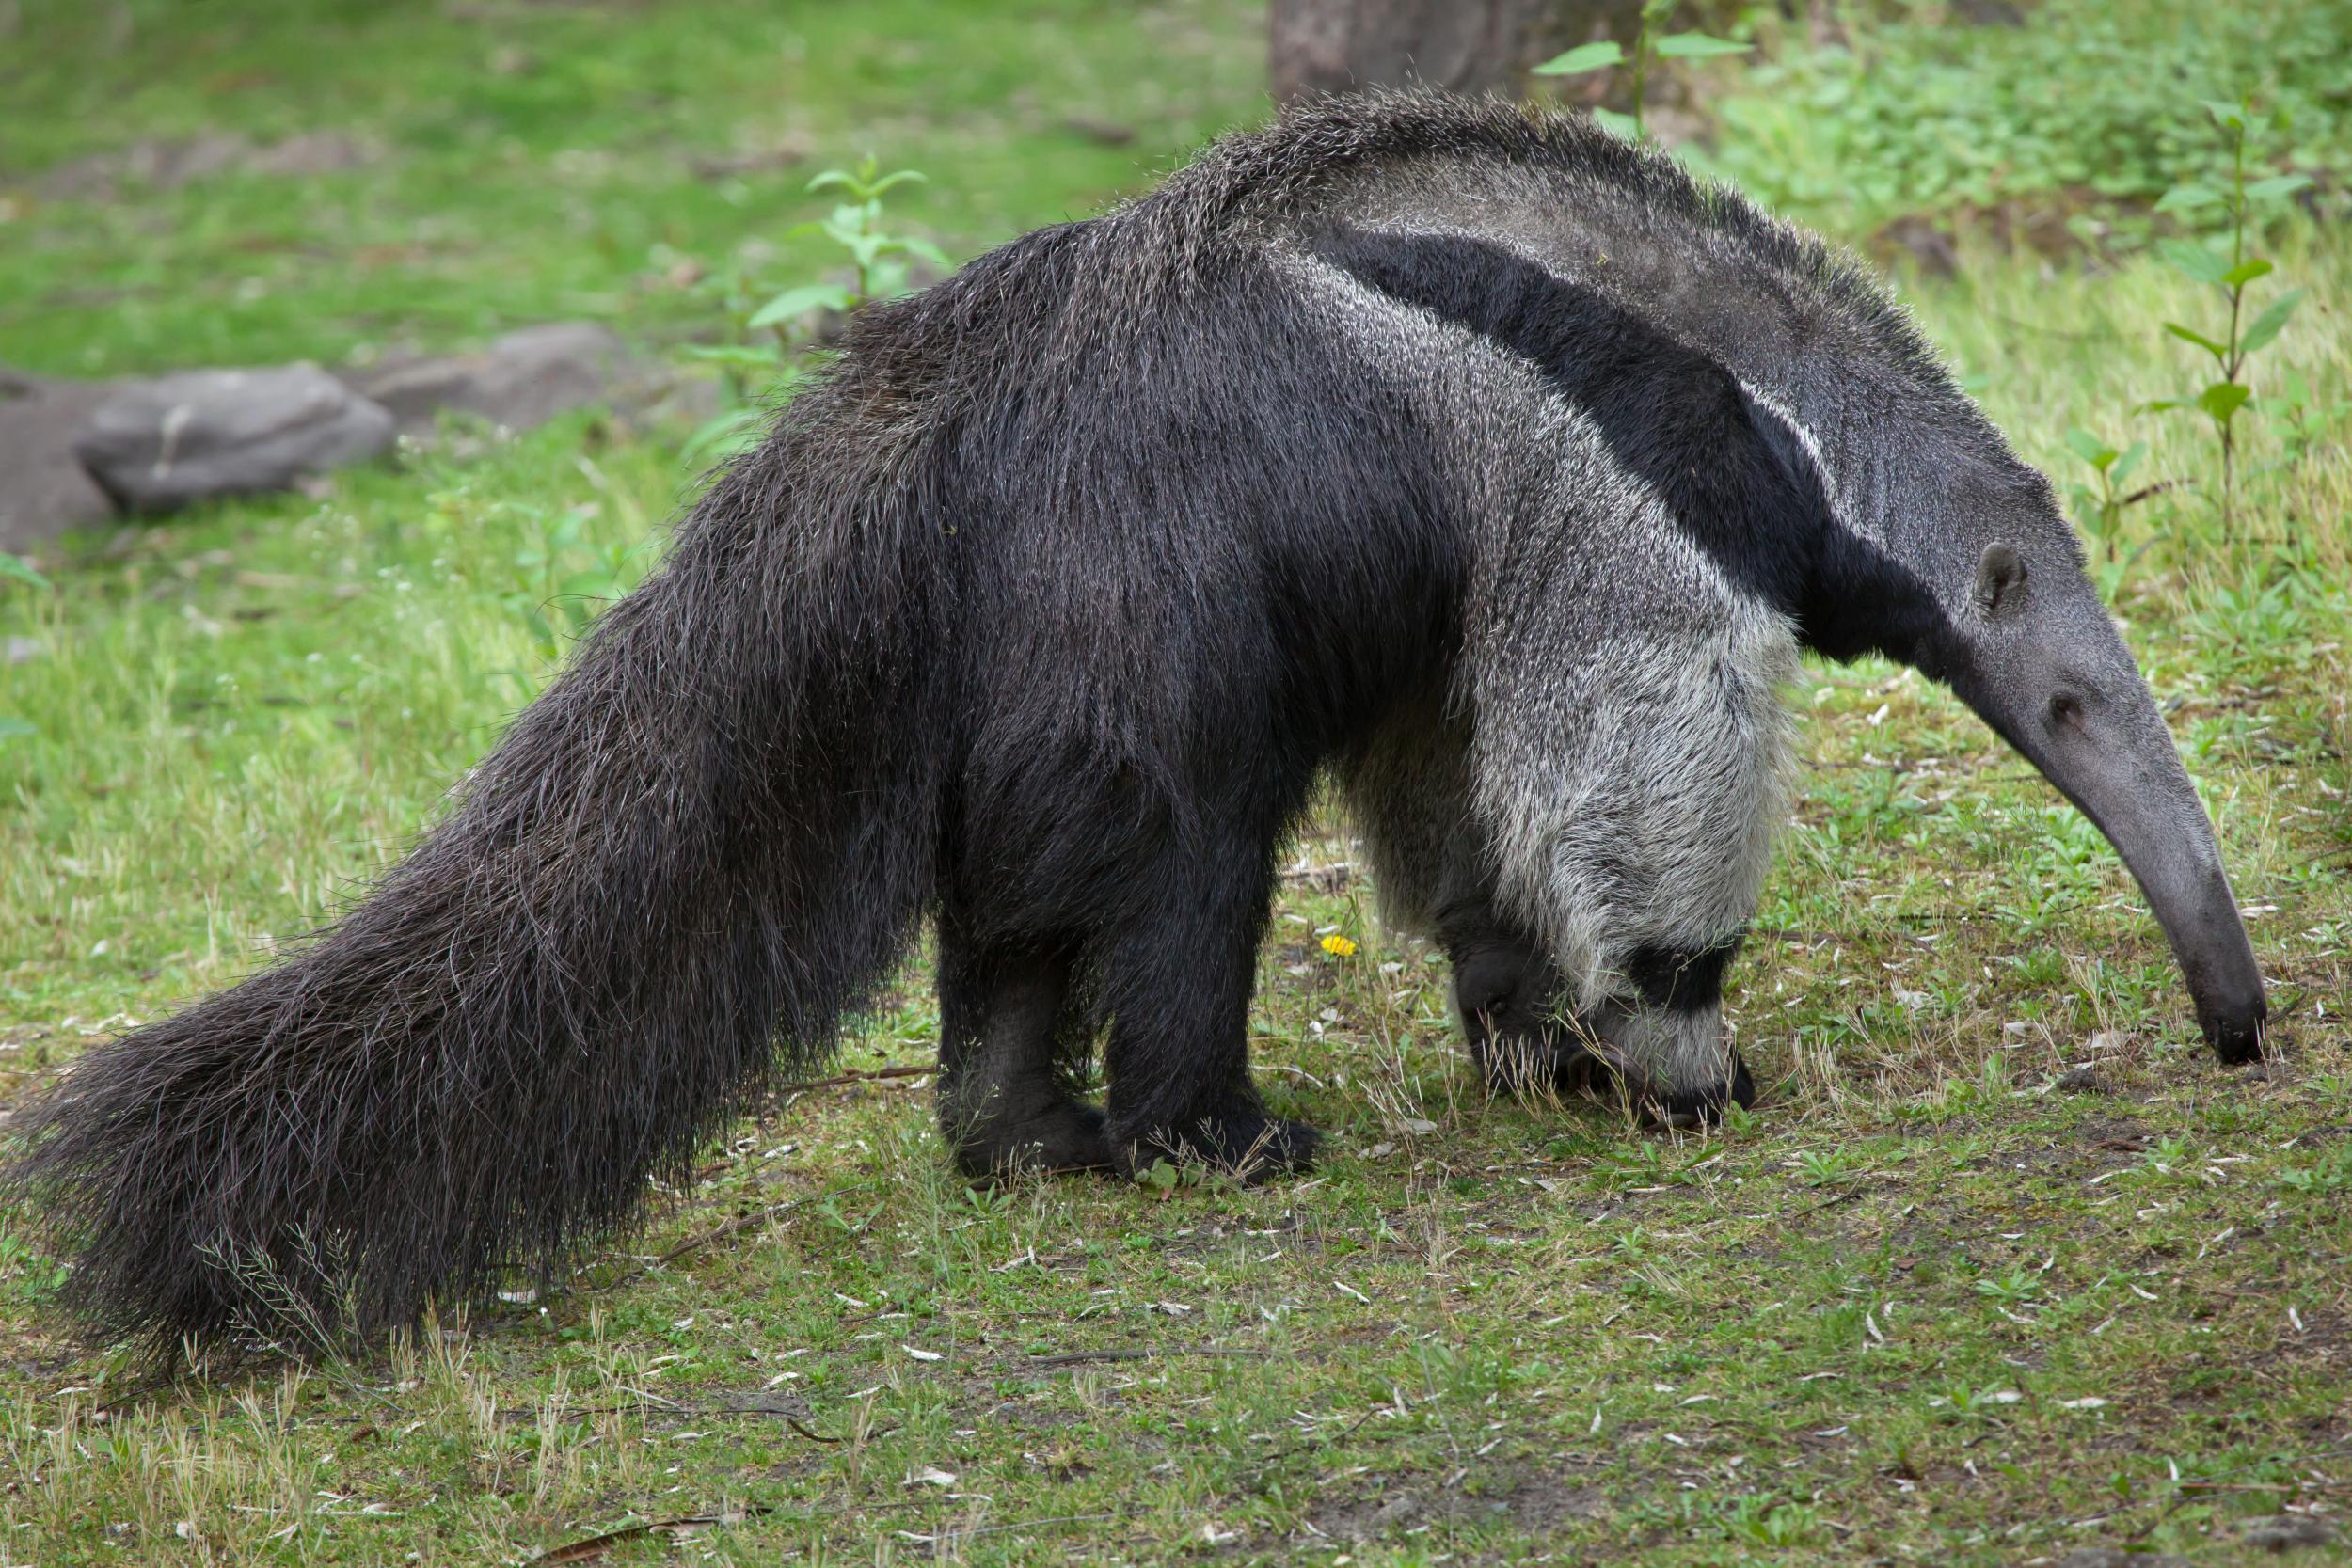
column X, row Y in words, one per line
column 1919, row 1304
column 532, row 161
column 2063, row 133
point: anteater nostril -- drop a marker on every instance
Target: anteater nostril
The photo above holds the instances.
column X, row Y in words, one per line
column 2067, row 709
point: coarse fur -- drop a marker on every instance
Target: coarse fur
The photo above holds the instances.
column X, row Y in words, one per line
column 1457, row 447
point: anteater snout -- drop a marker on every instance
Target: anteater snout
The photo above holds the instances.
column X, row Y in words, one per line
column 2236, row 1031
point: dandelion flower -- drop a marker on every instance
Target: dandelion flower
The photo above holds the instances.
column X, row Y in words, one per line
column 1338, row 947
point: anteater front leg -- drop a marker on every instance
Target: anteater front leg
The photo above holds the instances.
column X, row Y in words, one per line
column 1177, row 986
column 1514, row 1007
column 1408, row 787
column 1525, row 1035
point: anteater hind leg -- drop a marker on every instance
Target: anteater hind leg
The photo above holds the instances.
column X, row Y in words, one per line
column 1006, row 1014
column 1177, row 986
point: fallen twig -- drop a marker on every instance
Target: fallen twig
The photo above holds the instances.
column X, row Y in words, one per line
column 858, row 1076
column 589, row 1548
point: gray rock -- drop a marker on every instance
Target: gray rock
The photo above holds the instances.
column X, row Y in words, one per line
column 160, row 444
column 1400, row 1509
column 2280, row 1532
column 2083, row 1078
column 522, row 379
column 43, row 490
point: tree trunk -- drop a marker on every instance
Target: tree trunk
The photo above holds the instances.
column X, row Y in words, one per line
column 1469, row 46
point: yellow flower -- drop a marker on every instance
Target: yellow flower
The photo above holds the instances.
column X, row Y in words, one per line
column 1339, row 946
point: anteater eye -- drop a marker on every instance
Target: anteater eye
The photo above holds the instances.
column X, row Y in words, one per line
column 2066, row 709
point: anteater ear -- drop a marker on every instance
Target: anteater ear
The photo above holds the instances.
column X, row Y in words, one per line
column 2000, row 579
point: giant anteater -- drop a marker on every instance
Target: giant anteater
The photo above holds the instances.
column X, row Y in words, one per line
column 1457, row 449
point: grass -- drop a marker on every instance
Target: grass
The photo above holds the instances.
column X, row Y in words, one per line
column 525, row 161
column 1923, row 1302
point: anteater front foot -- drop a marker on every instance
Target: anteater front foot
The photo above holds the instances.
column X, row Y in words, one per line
column 1062, row 1135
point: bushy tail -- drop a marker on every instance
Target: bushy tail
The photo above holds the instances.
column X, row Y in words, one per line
column 712, row 834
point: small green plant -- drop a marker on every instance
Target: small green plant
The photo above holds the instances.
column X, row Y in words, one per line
column 2174, row 1157
column 876, row 256
column 2266, row 617
column 1607, row 55
column 768, row 359
column 1637, row 1165
column 2307, row 418
column 2330, row 1173
column 2223, row 401
column 2014, row 1288
column 989, row 1203
column 1966, row 1398
column 1738, row 1121
column 1762, row 1520
column 840, row 1220
column 1165, row 1177
column 1822, row 1166
column 2101, row 510
column 28, row 1271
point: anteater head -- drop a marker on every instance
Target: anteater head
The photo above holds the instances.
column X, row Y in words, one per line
column 2020, row 633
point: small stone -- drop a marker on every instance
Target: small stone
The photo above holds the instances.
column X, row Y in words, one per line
column 2083, row 1078
column 1402, row 1508
column 522, row 380
column 2282, row 1532
column 162, row 444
